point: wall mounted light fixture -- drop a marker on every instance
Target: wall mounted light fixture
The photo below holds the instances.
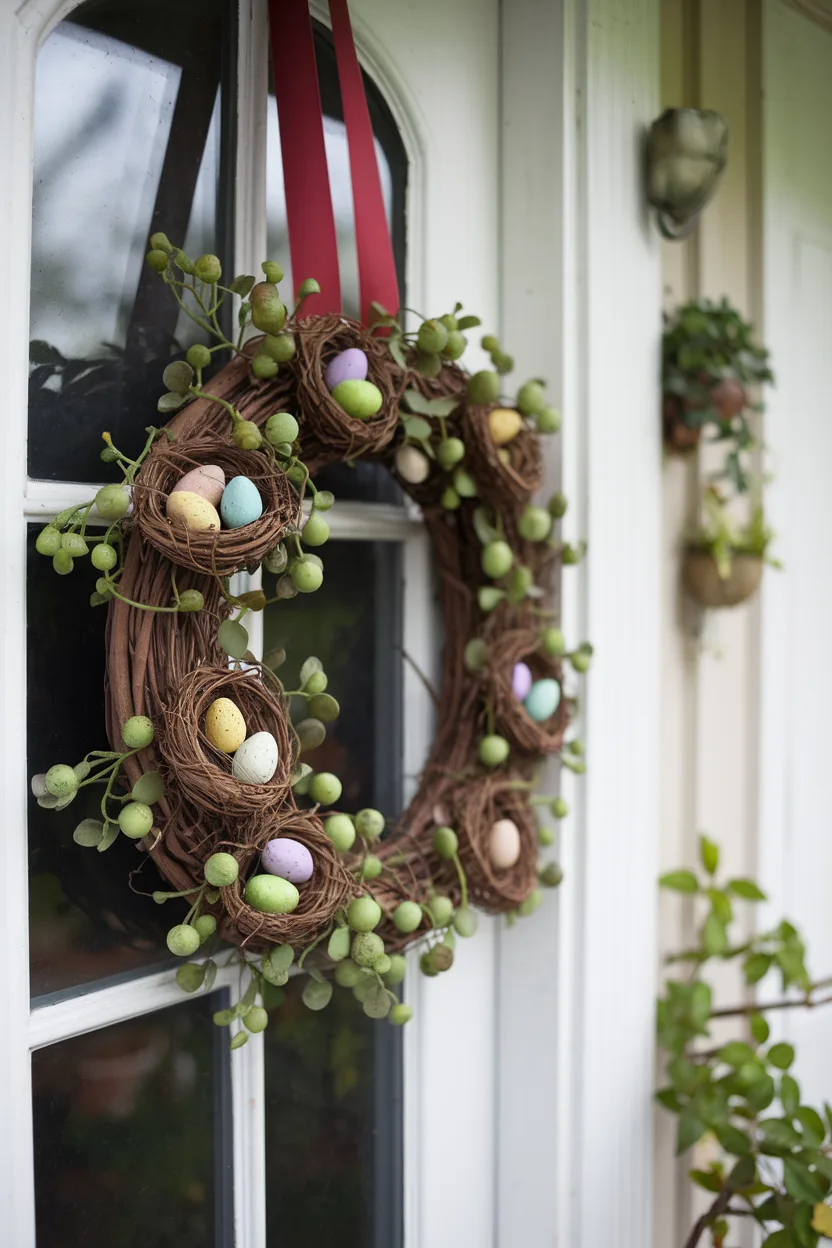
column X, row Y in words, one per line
column 687, row 150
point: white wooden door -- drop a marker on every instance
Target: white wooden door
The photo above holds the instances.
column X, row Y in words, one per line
column 796, row 845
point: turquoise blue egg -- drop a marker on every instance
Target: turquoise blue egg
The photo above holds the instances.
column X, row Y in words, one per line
column 240, row 503
column 542, row 700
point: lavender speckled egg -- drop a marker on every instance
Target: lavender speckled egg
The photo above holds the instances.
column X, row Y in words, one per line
column 521, row 681
column 350, row 365
column 289, row 859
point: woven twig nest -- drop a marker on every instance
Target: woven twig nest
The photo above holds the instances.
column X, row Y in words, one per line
column 513, row 471
column 703, row 581
column 450, row 382
column 214, row 553
column 508, row 646
column 327, row 432
column 321, row 897
column 475, row 807
column 201, row 771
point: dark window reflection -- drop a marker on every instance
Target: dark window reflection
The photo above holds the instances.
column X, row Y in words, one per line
column 85, row 921
column 130, row 1124
column 333, row 1126
column 131, row 135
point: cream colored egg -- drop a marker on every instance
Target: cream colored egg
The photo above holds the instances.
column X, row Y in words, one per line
column 256, row 759
column 224, row 725
column 208, row 481
column 412, row 465
column 505, row 424
column 504, row 844
column 192, row 511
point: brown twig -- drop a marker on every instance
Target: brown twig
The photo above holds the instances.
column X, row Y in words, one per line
column 708, row 1218
column 756, row 1008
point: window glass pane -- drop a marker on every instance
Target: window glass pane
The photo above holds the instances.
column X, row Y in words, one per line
column 128, row 139
column 85, row 920
column 129, row 1130
column 366, row 481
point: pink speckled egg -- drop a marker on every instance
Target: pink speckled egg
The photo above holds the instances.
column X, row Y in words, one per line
column 521, row 681
column 208, row 481
column 350, row 365
column 289, row 859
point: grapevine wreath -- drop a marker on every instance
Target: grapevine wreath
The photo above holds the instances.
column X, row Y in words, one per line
column 208, row 772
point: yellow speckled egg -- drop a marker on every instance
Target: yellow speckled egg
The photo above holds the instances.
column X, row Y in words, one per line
column 193, row 511
column 505, row 424
column 224, row 725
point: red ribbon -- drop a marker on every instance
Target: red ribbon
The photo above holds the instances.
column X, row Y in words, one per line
column 309, row 215
column 376, row 264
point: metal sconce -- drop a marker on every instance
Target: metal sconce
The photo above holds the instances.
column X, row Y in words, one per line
column 687, row 150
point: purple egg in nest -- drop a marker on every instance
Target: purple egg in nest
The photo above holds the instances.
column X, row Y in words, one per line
column 521, row 681
column 350, row 365
column 289, row 859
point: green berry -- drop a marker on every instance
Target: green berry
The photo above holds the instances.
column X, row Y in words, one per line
column 450, row 500
column 247, row 436
column 157, row 259
column 341, row 831
column 323, row 500
column 497, row 558
column 580, row 661
column 263, row 367
column 347, row 974
column 191, row 600
column 48, row 541
column 553, row 642
column 63, row 563
column 396, row 971
column 372, row 867
column 366, row 947
column 369, row 823
column 256, row 1019
column 557, row 506
column 442, row 957
column 559, row 808
column 464, row 484
column 530, row 398
column 325, row 788
column 316, row 683
column 488, row 596
column 401, row 1014
column 104, row 557
column 280, row 347
column 530, row 903
column 445, row 842
column 137, row 732
column 306, row 576
column 442, row 909
column 450, row 322
column 316, row 531
column 208, row 269
column 61, row 781
column 551, row 875
column 75, row 545
column 135, row 820
column 454, row 348
column 548, row 420
column 363, row 914
column 281, row 427
column 475, row 654
column 308, row 287
column 205, row 925
column 545, row 837
column 161, row 242
column 221, row 870
column 484, row 387
column 149, row 788
column 268, row 313
column 112, row 502
column 407, row 917
column 502, row 362
column 273, row 271
column 489, row 343
column 432, row 337
column 104, row 587
column 449, row 452
column 534, row 524
column 109, row 455
column 465, row 921
column 190, row 977
column 183, row 262
column 493, row 750
column 426, row 965
column 198, row 356
column 183, row 940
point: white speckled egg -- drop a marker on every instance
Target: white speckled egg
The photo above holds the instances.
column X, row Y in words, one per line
column 412, row 465
column 224, row 725
column 543, row 700
column 192, row 511
column 504, row 844
column 208, row 481
column 349, row 365
column 289, row 859
column 241, row 503
column 256, row 761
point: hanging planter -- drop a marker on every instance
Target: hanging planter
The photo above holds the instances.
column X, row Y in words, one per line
column 724, row 561
column 705, row 582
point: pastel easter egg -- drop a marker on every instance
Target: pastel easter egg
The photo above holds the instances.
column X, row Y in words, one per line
column 504, row 844
column 192, row 511
column 256, row 759
column 288, row 858
column 542, row 700
column 505, row 424
column 521, row 681
column 359, row 399
column 271, row 894
column 350, row 365
column 224, row 725
column 208, row 481
column 412, row 465
column 241, row 503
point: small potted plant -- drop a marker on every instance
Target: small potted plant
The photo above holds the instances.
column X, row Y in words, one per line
column 708, row 362
column 724, row 560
